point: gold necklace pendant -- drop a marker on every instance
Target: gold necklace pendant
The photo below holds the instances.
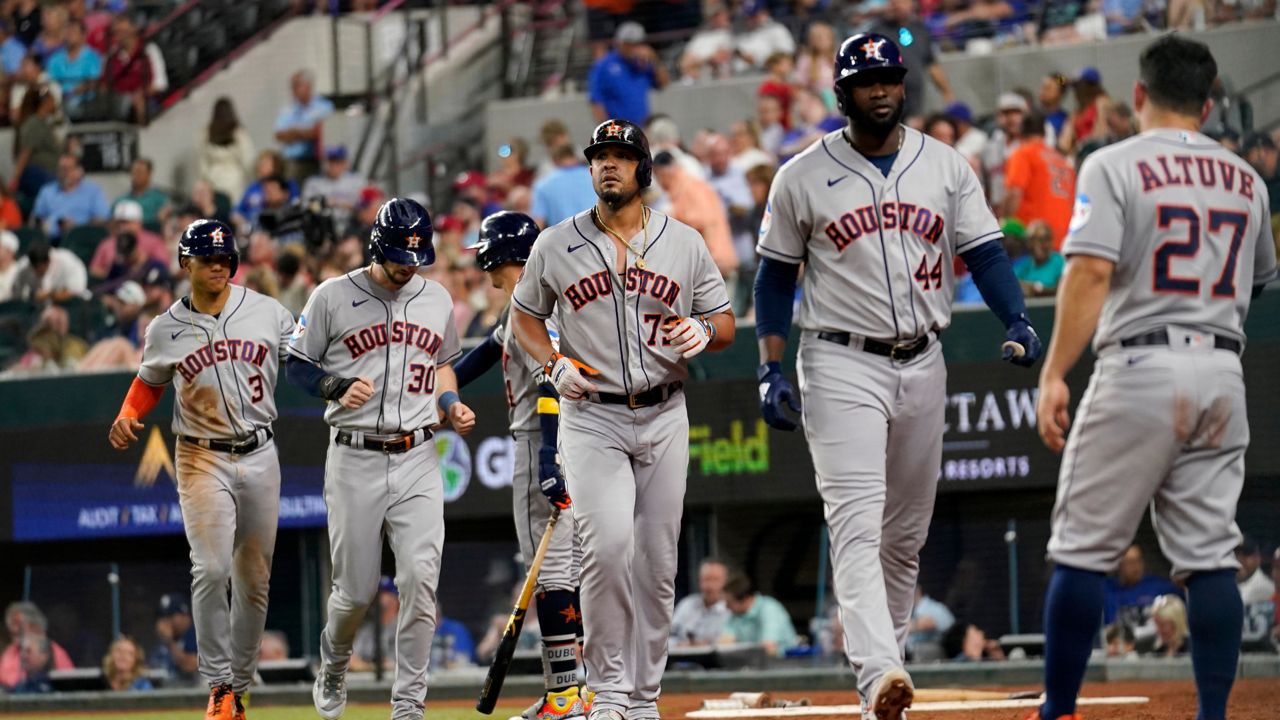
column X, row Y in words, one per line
column 640, row 263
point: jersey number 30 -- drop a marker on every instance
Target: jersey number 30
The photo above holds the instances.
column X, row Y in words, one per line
column 422, row 378
column 1164, row 281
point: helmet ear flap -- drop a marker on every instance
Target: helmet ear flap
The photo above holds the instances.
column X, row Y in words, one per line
column 644, row 172
column 375, row 250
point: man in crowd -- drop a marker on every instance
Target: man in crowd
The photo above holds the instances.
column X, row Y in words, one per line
column 1039, row 181
column 918, row 53
column 699, row 618
column 70, row 201
column 1040, row 274
column 153, row 201
column 696, row 204
column 299, row 125
column 757, row 618
column 563, row 192
column 339, row 187
column 619, row 83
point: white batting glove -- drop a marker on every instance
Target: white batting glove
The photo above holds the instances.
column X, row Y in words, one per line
column 690, row 336
column 568, row 377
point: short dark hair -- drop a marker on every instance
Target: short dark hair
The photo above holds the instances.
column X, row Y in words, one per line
column 38, row 253
column 738, row 587
column 1178, row 73
column 1120, row 631
column 1033, row 124
column 279, row 180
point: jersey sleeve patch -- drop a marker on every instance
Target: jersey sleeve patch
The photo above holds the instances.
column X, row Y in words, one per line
column 1080, row 213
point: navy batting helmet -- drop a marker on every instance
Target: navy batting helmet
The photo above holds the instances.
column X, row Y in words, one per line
column 207, row 238
column 402, row 234
column 505, row 237
column 862, row 55
column 628, row 135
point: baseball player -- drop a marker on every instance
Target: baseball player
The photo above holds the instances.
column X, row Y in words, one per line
column 876, row 212
column 1170, row 239
column 636, row 295
column 537, row 483
column 221, row 346
column 377, row 344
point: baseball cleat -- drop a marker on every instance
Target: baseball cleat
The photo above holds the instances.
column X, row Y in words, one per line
column 329, row 693
column 606, row 714
column 222, row 704
column 240, row 714
column 588, row 697
column 556, row 706
column 893, row 694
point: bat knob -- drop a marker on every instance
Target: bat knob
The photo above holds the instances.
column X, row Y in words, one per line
column 1017, row 348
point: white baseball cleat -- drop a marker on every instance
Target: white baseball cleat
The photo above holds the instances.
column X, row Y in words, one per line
column 329, row 693
column 892, row 695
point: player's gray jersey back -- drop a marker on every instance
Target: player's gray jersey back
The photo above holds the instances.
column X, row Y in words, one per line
column 224, row 368
column 878, row 250
column 519, row 375
column 1188, row 226
column 614, row 322
column 353, row 327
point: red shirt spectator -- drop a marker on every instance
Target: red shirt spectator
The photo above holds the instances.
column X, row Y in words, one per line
column 128, row 69
column 778, row 84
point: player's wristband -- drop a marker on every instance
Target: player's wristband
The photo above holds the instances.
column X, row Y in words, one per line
column 333, row 387
column 447, row 400
column 767, row 369
column 548, row 406
column 710, row 327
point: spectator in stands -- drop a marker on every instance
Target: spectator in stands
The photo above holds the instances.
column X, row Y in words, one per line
column 756, row 618
column 452, row 645
column 1255, row 586
column 176, row 651
column 382, row 633
column 1011, row 109
column 815, row 63
column 153, row 201
column 941, row 127
column 513, row 167
column 119, row 345
column 50, row 345
column 759, row 179
column 1120, row 641
column 619, row 83
column 1088, row 120
column 128, row 73
column 552, row 135
column 36, row 146
column 37, row 662
column 778, row 69
column 274, row 647
column 699, row 618
column 124, row 667
column 11, row 50
column 1040, row 276
column 473, row 187
column 664, row 134
column 966, row 642
column 564, row 192
column 26, row 21
column 209, row 203
column 50, row 274
column 1130, row 593
column 299, row 126
column 132, row 262
column 77, row 68
column 1234, row 10
column 730, row 183
column 812, row 121
column 901, row 23
column 710, row 50
column 1170, row 616
column 339, row 187
column 9, row 246
column 762, row 38
column 1120, row 125
column 744, row 138
column 695, row 203
column 23, row 619
column 930, row 620
column 53, row 31
column 10, row 212
column 70, row 201
column 769, row 119
column 269, row 164
column 1260, row 151
column 296, row 282
column 1039, row 183
column 971, row 141
column 361, row 225
column 126, row 219
column 226, row 151
column 1053, row 88
column 1123, row 16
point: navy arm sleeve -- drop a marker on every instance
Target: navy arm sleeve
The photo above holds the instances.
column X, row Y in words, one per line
column 993, row 274
column 775, row 294
column 304, row 375
column 478, row 361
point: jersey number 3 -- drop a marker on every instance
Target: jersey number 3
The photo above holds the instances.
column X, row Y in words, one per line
column 1163, row 279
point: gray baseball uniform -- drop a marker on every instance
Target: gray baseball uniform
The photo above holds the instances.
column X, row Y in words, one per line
column 1163, row 420
column 878, row 253
column 224, row 370
column 625, row 467
column 352, row 327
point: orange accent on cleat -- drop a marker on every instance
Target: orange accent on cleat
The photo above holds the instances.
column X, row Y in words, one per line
column 222, row 704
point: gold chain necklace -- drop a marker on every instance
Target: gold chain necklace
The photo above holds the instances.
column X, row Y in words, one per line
column 644, row 226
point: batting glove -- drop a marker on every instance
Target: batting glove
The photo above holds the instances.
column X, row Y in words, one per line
column 775, row 390
column 567, row 375
column 690, row 336
column 1021, row 332
column 551, row 478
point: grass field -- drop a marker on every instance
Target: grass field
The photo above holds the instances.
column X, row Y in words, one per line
column 354, row 712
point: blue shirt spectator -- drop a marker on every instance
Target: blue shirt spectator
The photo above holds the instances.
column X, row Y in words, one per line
column 565, row 191
column 454, row 643
column 70, row 200
column 930, row 620
column 1131, row 592
column 619, row 83
column 1122, row 15
column 251, row 203
column 11, row 50
column 75, row 67
column 298, row 125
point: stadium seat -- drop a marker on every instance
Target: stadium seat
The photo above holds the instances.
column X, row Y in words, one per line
column 83, row 241
column 28, row 235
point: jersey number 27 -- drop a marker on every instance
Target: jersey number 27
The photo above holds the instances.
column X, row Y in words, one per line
column 1164, row 281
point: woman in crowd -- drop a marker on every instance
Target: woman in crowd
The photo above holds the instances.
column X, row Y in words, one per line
column 226, row 152
column 124, row 666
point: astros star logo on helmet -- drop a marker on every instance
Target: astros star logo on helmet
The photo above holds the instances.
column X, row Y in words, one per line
column 613, row 130
column 217, row 237
column 413, row 240
column 871, row 49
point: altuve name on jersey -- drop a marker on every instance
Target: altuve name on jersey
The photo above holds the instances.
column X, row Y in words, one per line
column 226, row 350
column 645, row 282
column 1207, row 173
column 922, row 221
column 369, row 338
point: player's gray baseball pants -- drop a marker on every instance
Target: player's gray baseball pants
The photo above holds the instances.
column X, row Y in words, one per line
column 626, row 472
column 874, row 427
column 369, row 492
column 532, row 511
column 1163, row 427
column 230, row 508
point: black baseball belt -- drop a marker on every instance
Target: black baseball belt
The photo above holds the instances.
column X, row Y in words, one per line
column 390, row 444
column 648, row 398
column 242, row 447
column 901, row 351
column 1161, row 337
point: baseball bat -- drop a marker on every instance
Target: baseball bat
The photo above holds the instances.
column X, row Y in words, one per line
column 967, row 695
column 507, row 648
column 1018, row 350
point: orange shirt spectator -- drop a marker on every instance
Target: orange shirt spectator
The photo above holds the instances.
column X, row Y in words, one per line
column 698, row 205
column 1039, row 182
column 10, row 213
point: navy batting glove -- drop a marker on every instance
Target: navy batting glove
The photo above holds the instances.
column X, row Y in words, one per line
column 552, row 479
column 775, row 390
column 1021, row 332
